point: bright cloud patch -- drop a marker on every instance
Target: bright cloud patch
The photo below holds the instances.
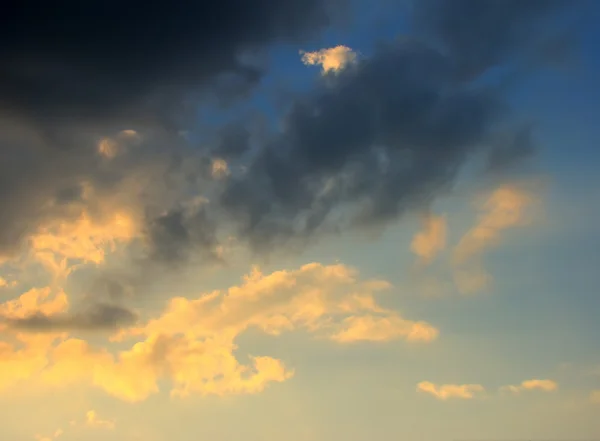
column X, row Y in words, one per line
column 92, row 420
column 534, row 384
column 192, row 342
column 431, row 240
column 332, row 59
column 507, row 207
column 448, row 391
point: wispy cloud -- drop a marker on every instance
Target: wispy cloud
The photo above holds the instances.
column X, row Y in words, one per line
column 509, row 206
column 533, row 384
column 431, row 240
column 450, row 391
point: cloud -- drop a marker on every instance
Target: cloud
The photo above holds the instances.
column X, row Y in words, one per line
column 332, row 59
column 595, row 396
column 371, row 328
column 95, row 318
column 57, row 433
column 92, row 420
column 41, row 77
column 534, row 384
column 449, row 391
column 45, row 301
column 192, row 342
column 381, row 139
column 7, row 284
column 431, row 240
column 509, row 206
column 64, row 121
column 480, row 35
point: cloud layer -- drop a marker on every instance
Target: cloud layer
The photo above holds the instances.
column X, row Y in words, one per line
column 388, row 134
column 192, row 342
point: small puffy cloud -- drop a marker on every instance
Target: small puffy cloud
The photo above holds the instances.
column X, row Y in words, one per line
column 332, row 59
column 431, row 240
column 507, row 207
column 595, row 396
column 219, row 169
column 109, row 148
column 448, row 391
column 7, row 284
column 534, row 384
column 92, row 420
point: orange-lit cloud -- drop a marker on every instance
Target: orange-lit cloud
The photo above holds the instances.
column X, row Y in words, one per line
column 111, row 147
column 92, row 420
column 507, row 207
column 431, row 240
column 331, row 60
column 192, row 343
column 97, row 225
column 37, row 300
column 534, row 384
column 57, row 433
column 595, row 396
column 7, row 284
column 448, row 391
column 219, row 169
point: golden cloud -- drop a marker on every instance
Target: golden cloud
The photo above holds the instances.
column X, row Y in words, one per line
column 192, row 343
column 331, row 59
column 431, row 240
column 92, row 420
column 507, row 207
column 534, row 384
column 448, row 391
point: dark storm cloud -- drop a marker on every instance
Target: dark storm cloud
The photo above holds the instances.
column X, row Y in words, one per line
column 96, row 318
column 390, row 133
column 72, row 72
column 482, row 34
column 98, row 58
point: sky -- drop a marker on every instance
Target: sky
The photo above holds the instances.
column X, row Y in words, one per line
column 309, row 220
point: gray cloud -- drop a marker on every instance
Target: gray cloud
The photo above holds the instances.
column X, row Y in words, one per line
column 73, row 72
column 96, row 318
column 387, row 135
column 478, row 35
column 97, row 59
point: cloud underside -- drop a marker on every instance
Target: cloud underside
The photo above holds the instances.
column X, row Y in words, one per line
column 192, row 342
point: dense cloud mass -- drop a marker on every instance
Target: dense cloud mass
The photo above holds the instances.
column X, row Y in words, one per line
column 98, row 58
column 385, row 135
